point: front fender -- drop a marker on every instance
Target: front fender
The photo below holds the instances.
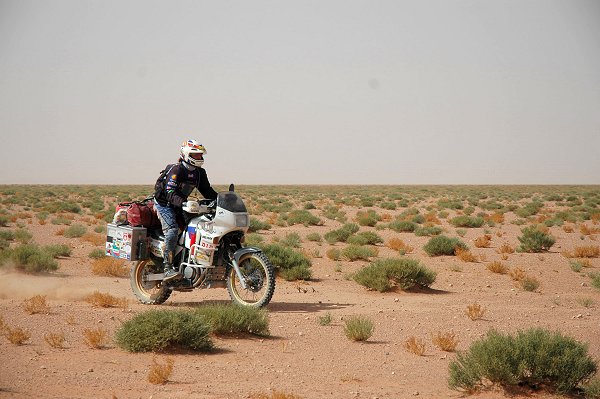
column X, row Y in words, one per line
column 243, row 251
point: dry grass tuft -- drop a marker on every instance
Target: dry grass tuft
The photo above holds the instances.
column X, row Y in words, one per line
column 588, row 231
column 36, row 304
column 17, row 335
column 475, row 311
column 497, row 267
column 160, row 372
column 103, row 300
column 399, row 245
column 517, row 274
column 55, row 340
column 567, row 228
column 586, row 251
column 96, row 239
column 110, row 267
column 95, row 338
column 483, row 242
column 505, row 249
column 432, row 218
column 465, row 255
column 445, row 341
column 415, row 345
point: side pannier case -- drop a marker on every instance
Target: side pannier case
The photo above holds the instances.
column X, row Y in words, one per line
column 126, row 242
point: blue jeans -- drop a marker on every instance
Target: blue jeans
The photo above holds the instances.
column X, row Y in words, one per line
column 168, row 220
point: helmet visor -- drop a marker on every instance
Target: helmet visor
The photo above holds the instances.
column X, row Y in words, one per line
column 198, row 156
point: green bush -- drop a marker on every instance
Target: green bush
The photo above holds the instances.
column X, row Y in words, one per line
column 23, row 236
column 428, row 231
column 31, row 258
column 291, row 240
column 315, row 237
column 97, row 253
column 534, row 240
column 592, row 389
column 302, row 216
column 367, row 218
column 467, row 221
column 162, row 330
column 290, row 264
column 534, row 357
column 7, row 235
column 358, row 328
column 595, row 276
column 402, row 226
column 74, row 231
column 529, row 209
column 332, row 212
column 4, row 221
column 383, row 274
column 234, row 319
column 442, row 245
column 57, row 250
column 365, row 238
column 342, row 234
column 357, row 252
column 256, row 225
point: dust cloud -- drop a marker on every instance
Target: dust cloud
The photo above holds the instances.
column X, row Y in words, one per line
column 21, row 286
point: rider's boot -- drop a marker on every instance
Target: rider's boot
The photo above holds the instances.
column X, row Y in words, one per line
column 171, row 273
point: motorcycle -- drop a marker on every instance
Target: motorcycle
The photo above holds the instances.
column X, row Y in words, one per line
column 209, row 254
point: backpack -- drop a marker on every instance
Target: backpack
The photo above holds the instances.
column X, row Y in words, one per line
column 138, row 213
column 161, row 183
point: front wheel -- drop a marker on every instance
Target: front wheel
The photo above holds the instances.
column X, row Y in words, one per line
column 260, row 281
column 148, row 292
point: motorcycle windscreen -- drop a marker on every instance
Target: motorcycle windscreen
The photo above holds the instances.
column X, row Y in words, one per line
column 231, row 202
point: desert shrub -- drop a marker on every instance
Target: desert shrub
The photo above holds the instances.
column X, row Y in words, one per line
column 367, row 218
column 75, row 231
column 342, row 234
column 450, row 204
column 595, row 279
column 95, row 338
column 36, row 304
column 358, row 252
column 23, row 236
column 4, row 220
column 325, row 320
column 415, row 345
column 497, row 267
column 365, row 238
column 57, row 250
column 591, row 389
column 334, row 254
column 445, row 341
column 256, row 224
column 291, row 240
column 534, row 240
column 533, row 357
column 399, row 245
column 110, row 267
column 289, row 263
column 163, row 330
column 55, row 340
column 253, row 239
column 302, row 216
column 234, row 319
column 358, row 328
column 314, row 237
column 442, row 245
column 160, row 373
column 17, row 335
column 7, row 235
column 32, row 259
column 465, row 255
column 428, row 231
column 105, row 300
column 334, row 213
column 529, row 209
column 475, row 311
column 383, row 274
column 63, row 220
column 585, row 251
column 388, row 205
column 483, row 241
column 467, row 221
column 100, row 229
column 402, row 226
column 97, row 253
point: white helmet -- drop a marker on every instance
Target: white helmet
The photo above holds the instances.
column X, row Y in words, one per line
column 192, row 153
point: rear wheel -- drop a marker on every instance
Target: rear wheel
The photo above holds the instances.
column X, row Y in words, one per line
column 148, row 292
column 260, row 281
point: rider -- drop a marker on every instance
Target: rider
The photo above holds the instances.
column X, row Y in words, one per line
column 181, row 179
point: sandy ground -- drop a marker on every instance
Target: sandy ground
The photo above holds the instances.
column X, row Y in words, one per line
column 300, row 357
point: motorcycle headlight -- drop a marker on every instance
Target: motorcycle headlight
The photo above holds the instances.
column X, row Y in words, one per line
column 241, row 221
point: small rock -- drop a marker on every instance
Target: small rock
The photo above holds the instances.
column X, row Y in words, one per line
column 300, row 333
column 416, row 393
column 396, row 299
column 90, row 370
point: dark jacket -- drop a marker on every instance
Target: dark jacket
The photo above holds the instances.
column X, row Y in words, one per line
column 180, row 182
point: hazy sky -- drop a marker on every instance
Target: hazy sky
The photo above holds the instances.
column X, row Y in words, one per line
column 300, row 92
